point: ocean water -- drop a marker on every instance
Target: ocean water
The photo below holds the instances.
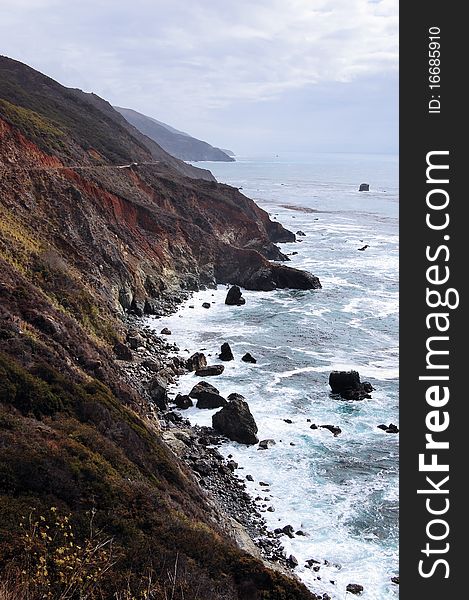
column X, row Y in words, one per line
column 341, row 491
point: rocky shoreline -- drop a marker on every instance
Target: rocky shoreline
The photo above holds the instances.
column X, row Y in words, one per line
column 152, row 361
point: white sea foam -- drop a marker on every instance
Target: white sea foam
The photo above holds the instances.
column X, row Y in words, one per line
column 342, row 491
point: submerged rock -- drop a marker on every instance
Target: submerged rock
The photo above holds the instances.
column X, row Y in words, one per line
column 354, row 588
column 226, row 353
column 234, row 297
column 236, row 421
column 333, row 429
column 210, row 370
column 249, row 358
column 265, row 444
column 349, row 386
column 391, row 428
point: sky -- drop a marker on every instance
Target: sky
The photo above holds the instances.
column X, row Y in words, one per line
column 253, row 76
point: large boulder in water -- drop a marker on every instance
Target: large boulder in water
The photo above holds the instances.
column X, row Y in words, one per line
column 207, row 396
column 236, row 421
column 226, row 353
column 234, row 297
column 349, row 386
column 364, row 187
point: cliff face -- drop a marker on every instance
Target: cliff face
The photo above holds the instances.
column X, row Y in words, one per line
column 178, row 144
column 80, row 240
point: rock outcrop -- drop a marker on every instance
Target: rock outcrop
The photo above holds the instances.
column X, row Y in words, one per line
column 226, row 354
column 235, row 421
column 207, row 395
column 349, row 386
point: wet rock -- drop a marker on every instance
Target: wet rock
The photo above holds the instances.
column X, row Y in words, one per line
column 226, row 353
column 313, row 426
column 165, row 331
column 210, row 370
column 234, row 297
column 288, row 530
column 206, row 305
column 333, row 429
column 271, row 509
column 236, row 421
column 183, row 401
column 391, row 428
column 349, row 386
column 158, row 392
column 264, row 484
column 289, row 421
column 300, row 532
column 364, row 187
column 395, row 580
column 196, row 362
column 354, row 588
column 232, row 465
column 207, row 396
column 122, row 351
column 311, row 562
column 363, row 248
column 292, row 561
column 249, row 358
column 266, row 444
column 301, row 233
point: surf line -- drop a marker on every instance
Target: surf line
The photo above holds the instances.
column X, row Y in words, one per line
column 440, row 299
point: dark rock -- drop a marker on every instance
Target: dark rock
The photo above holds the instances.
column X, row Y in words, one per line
column 152, row 307
column 395, row 580
column 236, row 421
column 288, row 530
column 363, row 248
column 196, row 362
column 249, row 358
column 138, row 307
column 349, row 386
column 292, row 561
column 158, row 392
column 122, row 351
column 313, row 426
column 333, row 429
column 271, row 509
column 210, row 370
column 206, row 305
column 289, row 421
column 301, row 233
column 354, row 588
column 264, row 484
column 135, row 341
column 300, row 532
column 265, row 444
column 203, row 467
column 249, row 478
column 165, row 331
column 183, row 401
column 207, row 396
column 232, row 465
column 310, row 562
column 364, row 187
column 391, row 428
column 234, row 297
column 226, row 353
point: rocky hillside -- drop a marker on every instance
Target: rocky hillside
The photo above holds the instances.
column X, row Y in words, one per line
column 178, row 144
column 84, row 238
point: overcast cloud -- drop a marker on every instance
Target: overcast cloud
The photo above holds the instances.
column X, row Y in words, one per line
column 256, row 75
